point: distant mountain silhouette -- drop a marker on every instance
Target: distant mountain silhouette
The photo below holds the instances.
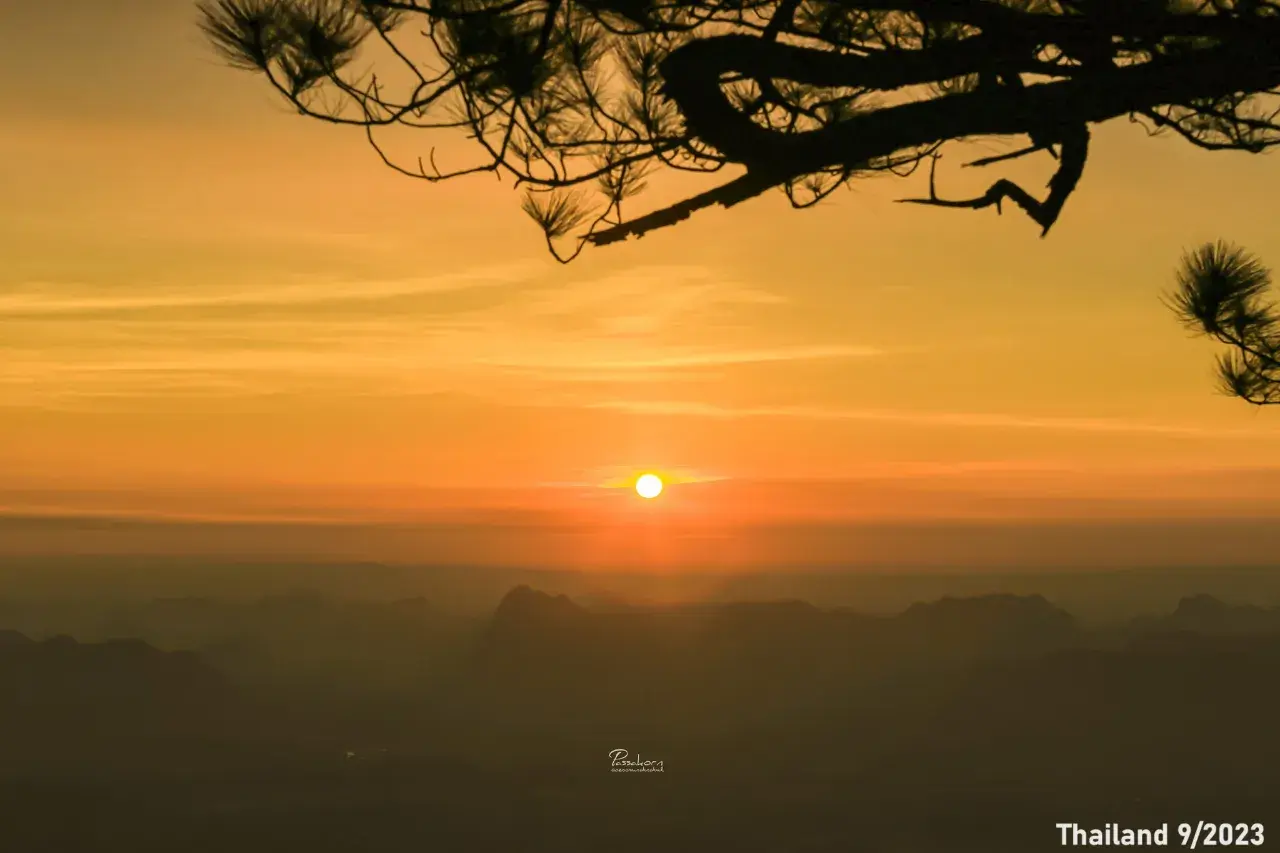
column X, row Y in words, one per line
column 720, row 666
column 13, row 638
column 1206, row 614
column 989, row 625
column 524, row 608
column 529, row 624
column 306, row 638
column 62, row 697
column 62, row 669
column 1161, row 705
column 956, row 724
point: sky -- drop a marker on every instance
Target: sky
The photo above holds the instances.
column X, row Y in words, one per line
column 212, row 309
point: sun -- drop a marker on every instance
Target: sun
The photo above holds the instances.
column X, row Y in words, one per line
column 649, row 486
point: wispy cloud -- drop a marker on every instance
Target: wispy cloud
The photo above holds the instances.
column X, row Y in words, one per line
column 46, row 300
column 509, row 327
column 681, row 358
column 986, row 420
column 661, row 291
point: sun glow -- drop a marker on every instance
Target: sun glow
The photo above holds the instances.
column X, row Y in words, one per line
column 649, row 486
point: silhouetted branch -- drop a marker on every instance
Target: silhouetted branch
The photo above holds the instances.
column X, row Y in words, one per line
column 1075, row 151
column 1048, row 148
column 560, row 95
column 727, row 195
column 1222, row 293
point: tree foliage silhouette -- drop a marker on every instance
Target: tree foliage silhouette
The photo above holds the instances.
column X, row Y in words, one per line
column 1222, row 293
column 579, row 100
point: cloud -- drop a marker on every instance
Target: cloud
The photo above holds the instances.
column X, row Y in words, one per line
column 675, row 359
column 658, row 290
column 45, row 300
column 917, row 418
column 649, row 320
column 499, row 331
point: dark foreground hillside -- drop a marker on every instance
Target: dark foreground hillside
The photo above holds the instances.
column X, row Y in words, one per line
column 958, row 725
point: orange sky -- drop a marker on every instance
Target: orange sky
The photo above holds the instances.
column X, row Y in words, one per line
column 212, row 308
